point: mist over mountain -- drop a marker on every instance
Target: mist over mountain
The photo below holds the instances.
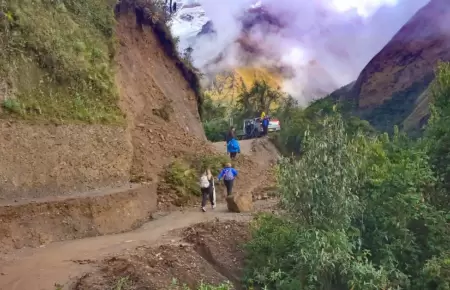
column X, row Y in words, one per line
column 322, row 44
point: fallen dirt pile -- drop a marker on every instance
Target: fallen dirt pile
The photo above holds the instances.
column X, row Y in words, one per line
column 209, row 252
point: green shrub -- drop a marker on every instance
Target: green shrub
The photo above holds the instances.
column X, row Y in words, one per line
column 202, row 286
column 12, row 106
column 436, row 273
column 324, row 180
column 123, row 283
column 438, row 134
column 357, row 217
column 183, row 174
column 215, row 130
column 213, row 162
column 182, row 177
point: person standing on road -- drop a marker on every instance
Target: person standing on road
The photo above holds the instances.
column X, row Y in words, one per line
column 139, row 16
column 233, row 148
column 208, row 189
column 265, row 125
column 228, row 174
column 231, row 134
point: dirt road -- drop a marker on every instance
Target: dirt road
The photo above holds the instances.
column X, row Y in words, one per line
column 38, row 269
column 63, row 262
column 261, row 150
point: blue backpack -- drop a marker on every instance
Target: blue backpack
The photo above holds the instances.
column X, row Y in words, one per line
column 233, row 146
column 228, row 174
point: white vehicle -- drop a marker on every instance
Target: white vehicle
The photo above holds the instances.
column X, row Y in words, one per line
column 274, row 125
column 253, row 129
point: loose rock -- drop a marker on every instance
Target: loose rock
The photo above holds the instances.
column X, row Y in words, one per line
column 240, row 203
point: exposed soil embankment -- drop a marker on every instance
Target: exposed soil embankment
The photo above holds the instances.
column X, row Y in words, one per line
column 209, row 252
column 161, row 107
column 65, row 262
column 44, row 167
column 91, row 214
column 38, row 160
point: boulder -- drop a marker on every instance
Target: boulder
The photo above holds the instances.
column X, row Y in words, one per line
column 240, row 203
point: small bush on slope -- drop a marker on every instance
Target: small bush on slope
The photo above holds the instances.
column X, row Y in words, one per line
column 183, row 174
column 124, row 283
column 202, row 286
column 357, row 218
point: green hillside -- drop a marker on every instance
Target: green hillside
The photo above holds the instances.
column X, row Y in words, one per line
column 56, row 61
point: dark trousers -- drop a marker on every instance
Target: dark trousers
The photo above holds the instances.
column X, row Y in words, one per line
column 229, row 186
column 233, row 155
column 207, row 193
column 265, row 129
column 139, row 17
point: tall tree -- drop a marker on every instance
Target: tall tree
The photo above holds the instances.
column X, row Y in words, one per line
column 257, row 99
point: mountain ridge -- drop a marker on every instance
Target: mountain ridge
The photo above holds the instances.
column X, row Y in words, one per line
column 395, row 81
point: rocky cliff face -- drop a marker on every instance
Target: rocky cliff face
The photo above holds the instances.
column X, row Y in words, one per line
column 392, row 86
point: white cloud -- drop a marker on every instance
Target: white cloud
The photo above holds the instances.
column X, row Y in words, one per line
column 364, row 8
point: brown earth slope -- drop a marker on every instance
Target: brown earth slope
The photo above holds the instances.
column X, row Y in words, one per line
column 47, row 159
column 161, row 108
column 388, row 88
column 72, row 181
column 60, row 182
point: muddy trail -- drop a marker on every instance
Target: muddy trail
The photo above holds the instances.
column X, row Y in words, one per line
column 98, row 262
column 64, row 262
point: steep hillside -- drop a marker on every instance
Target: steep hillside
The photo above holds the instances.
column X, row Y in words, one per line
column 393, row 85
column 56, row 61
column 88, row 101
column 161, row 106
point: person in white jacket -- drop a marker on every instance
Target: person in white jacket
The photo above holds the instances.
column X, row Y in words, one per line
column 208, row 189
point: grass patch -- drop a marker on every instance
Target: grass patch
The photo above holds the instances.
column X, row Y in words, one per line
column 123, row 283
column 57, row 57
column 203, row 286
column 183, row 174
column 11, row 105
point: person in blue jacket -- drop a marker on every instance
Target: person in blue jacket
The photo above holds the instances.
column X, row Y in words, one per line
column 228, row 174
column 265, row 125
column 233, row 148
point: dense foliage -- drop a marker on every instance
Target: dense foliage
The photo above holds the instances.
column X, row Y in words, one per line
column 438, row 132
column 362, row 210
column 260, row 97
column 203, row 286
column 215, row 121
